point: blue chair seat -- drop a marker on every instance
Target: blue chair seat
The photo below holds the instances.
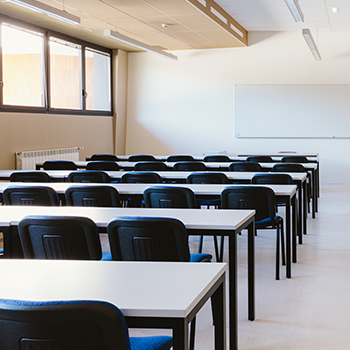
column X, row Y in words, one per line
column 106, row 256
column 267, row 222
column 199, row 257
column 160, row 342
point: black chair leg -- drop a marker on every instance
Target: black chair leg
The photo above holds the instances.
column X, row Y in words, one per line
column 282, row 246
column 200, row 245
column 217, row 256
column 277, row 277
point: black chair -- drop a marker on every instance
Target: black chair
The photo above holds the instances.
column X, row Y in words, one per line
column 89, row 176
column 30, row 176
column 180, row 158
column 152, row 239
column 60, row 238
column 108, row 157
column 102, row 165
column 262, row 200
column 272, row 178
column 92, row 196
column 141, row 157
column 260, row 159
column 294, row 159
column 69, row 325
column 30, row 195
column 245, row 166
column 59, row 165
column 150, row 166
column 189, row 166
column 221, row 158
column 139, row 177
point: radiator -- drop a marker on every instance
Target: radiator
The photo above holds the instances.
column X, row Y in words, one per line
column 27, row 160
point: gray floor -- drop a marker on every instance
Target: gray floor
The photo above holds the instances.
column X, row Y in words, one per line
column 312, row 309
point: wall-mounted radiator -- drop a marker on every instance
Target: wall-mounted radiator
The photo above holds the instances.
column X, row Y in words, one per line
column 27, row 160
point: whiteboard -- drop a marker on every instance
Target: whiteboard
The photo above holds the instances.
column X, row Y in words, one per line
column 292, row 111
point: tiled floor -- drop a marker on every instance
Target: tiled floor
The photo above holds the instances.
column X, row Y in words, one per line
column 312, row 309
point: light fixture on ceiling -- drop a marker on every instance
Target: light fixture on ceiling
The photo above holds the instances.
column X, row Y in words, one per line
column 47, row 10
column 311, row 43
column 335, row 9
column 140, row 45
column 295, row 10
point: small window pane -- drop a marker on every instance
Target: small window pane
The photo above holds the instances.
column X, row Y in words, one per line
column 65, row 77
column 22, row 67
column 98, row 86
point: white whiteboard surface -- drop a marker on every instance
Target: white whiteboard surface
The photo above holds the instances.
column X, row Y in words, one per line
column 292, row 111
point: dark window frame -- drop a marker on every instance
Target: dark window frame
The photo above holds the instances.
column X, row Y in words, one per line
column 47, row 109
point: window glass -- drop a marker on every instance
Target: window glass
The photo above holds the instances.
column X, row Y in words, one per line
column 65, row 74
column 22, row 67
column 98, row 89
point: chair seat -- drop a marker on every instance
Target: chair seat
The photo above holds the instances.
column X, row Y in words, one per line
column 200, row 257
column 267, row 222
column 106, row 256
column 161, row 342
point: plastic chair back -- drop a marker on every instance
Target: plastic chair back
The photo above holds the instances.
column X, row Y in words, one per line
column 189, row 166
column 141, row 157
column 102, row 165
column 169, row 197
column 150, row 166
column 89, row 176
column 30, row 195
column 108, row 157
column 245, row 166
column 261, row 199
column 179, row 158
column 288, row 168
column 207, row 178
column 273, row 179
column 59, row 237
column 30, row 176
column 294, row 159
column 148, row 239
column 260, row 159
column 221, row 158
column 92, row 196
column 141, row 177
column 59, row 165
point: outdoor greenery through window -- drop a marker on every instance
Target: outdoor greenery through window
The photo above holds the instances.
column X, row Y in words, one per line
column 48, row 72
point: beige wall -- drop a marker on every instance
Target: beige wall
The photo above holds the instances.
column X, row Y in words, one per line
column 187, row 106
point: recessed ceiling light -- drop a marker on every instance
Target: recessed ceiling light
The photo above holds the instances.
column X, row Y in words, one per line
column 335, row 9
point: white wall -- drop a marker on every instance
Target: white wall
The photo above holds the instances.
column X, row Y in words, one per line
column 187, row 106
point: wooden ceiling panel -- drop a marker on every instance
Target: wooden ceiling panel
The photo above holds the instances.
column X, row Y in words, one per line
column 197, row 22
column 134, row 8
column 173, row 7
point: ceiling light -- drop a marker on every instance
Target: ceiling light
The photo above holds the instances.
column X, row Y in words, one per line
column 295, row 10
column 47, row 10
column 311, row 43
column 335, row 9
column 140, row 45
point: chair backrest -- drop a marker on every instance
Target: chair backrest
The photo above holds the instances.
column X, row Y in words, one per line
column 109, row 157
column 260, row 159
column 294, row 159
column 141, row 157
column 207, row 178
column 148, row 239
column 30, row 176
column 150, row 166
column 62, row 325
column 169, row 197
column 91, row 176
column 59, row 165
column 102, row 165
column 261, row 199
column 273, row 179
column 92, row 196
column 189, row 166
column 59, row 237
column 288, row 168
column 245, row 166
column 217, row 158
column 30, row 195
column 141, row 177
column 179, row 158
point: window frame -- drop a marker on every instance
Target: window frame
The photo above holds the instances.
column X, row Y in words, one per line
column 47, row 109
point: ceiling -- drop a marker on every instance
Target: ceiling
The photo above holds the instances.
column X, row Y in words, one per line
column 188, row 28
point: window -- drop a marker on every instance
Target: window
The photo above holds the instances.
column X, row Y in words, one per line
column 22, row 67
column 43, row 71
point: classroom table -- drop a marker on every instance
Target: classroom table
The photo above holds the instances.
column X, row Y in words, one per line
column 131, row 286
column 197, row 222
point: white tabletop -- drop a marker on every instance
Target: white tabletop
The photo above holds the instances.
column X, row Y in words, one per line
column 134, row 287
